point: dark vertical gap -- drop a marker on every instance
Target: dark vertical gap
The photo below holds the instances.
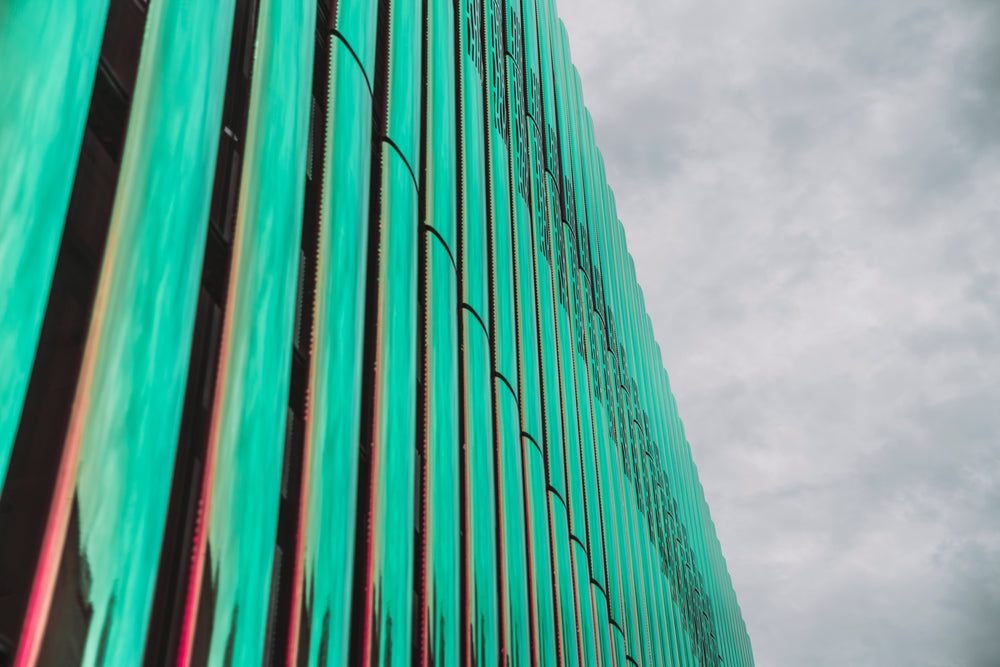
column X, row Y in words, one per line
column 422, row 626
column 183, row 509
column 38, row 444
column 283, row 584
column 362, row 531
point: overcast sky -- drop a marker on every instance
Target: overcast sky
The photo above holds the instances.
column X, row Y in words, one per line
column 811, row 193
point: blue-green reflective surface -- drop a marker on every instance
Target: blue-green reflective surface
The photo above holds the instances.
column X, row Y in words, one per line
column 49, row 52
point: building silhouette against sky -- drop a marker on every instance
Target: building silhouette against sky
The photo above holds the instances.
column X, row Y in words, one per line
column 321, row 345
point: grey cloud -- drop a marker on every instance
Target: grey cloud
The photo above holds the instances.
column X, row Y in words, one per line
column 809, row 190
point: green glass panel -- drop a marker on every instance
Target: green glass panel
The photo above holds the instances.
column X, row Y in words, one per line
column 655, row 571
column 547, row 282
column 565, row 584
column 634, row 617
column 355, row 24
column 610, row 511
column 532, row 82
column 565, row 140
column 673, row 620
column 584, row 185
column 546, row 207
column 594, row 195
column 44, row 95
column 126, row 414
column 564, row 314
column 545, row 11
column 640, row 572
column 571, row 442
column 481, row 606
column 402, row 94
column 653, row 591
column 637, row 625
column 541, row 556
column 527, row 333
column 389, row 577
column 667, row 611
column 620, row 652
column 502, row 322
column 638, row 621
column 391, row 512
column 671, row 610
column 641, row 561
column 602, row 625
column 440, row 171
column 512, row 529
column 330, row 466
column 504, row 325
column 473, row 262
column 587, row 451
column 650, row 559
column 521, row 170
column 585, row 605
column 440, row 525
column 243, row 474
column 573, row 178
column 609, row 505
column 525, row 186
column 611, row 468
column 625, row 551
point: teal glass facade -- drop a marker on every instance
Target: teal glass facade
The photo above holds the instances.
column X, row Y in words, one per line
column 321, row 345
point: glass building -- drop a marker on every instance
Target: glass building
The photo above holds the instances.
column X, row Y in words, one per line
column 320, row 344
